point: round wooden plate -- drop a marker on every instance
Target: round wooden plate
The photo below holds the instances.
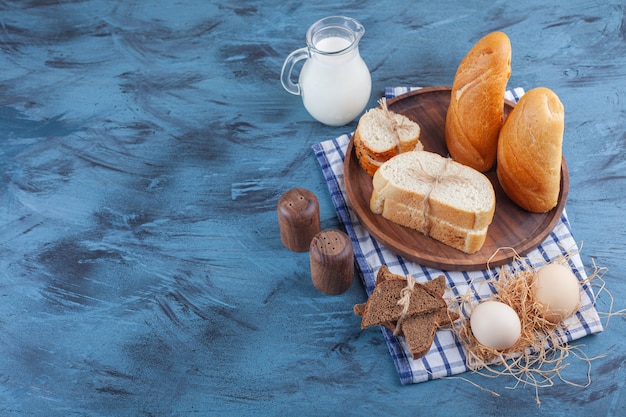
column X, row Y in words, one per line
column 512, row 227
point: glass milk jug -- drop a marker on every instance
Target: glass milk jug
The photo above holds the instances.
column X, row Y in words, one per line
column 334, row 81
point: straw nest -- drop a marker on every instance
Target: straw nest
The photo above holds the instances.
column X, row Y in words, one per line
column 540, row 355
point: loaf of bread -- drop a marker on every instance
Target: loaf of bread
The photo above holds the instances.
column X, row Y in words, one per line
column 437, row 196
column 476, row 112
column 530, row 151
column 382, row 134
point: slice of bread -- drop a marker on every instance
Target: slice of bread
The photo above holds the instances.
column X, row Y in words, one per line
column 443, row 199
column 419, row 333
column 465, row 239
column 382, row 134
column 436, row 286
column 384, row 307
column 367, row 162
column 420, row 323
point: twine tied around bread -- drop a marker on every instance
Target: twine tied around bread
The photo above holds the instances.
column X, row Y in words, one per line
column 404, row 302
column 396, row 126
column 434, row 179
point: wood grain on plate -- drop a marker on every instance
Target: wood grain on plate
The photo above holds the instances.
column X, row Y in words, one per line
column 512, row 227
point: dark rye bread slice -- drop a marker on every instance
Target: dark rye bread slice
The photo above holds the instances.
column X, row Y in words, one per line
column 419, row 329
column 382, row 305
column 436, row 286
column 419, row 333
column 445, row 317
column 383, row 275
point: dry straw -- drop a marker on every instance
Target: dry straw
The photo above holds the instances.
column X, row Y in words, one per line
column 540, row 355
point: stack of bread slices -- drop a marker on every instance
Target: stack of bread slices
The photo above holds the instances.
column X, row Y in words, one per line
column 437, row 196
column 381, row 134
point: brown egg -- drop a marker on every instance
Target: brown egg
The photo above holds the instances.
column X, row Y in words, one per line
column 557, row 290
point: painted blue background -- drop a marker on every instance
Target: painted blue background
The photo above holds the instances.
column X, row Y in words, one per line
column 143, row 148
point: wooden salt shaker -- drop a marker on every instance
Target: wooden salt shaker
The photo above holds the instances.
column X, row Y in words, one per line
column 298, row 219
column 332, row 261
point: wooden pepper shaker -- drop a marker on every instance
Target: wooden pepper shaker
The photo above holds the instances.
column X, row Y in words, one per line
column 298, row 219
column 332, row 261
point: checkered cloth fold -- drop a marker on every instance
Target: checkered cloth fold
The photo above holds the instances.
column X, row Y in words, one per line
column 446, row 356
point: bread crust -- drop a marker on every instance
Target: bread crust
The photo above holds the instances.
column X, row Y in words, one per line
column 476, row 112
column 530, row 151
column 367, row 162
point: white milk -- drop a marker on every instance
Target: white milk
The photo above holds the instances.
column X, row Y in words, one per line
column 332, row 44
column 335, row 89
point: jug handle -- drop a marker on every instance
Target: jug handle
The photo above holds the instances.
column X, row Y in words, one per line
column 285, row 74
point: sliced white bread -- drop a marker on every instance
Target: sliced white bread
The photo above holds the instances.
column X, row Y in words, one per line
column 382, row 134
column 464, row 239
column 443, row 199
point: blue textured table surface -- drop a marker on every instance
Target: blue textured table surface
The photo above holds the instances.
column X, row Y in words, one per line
column 144, row 146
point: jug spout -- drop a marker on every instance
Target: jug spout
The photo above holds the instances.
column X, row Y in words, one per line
column 359, row 30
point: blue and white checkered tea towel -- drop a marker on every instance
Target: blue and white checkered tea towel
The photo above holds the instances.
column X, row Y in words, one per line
column 446, row 356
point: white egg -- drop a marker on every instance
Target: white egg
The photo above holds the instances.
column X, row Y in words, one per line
column 556, row 289
column 495, row 325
